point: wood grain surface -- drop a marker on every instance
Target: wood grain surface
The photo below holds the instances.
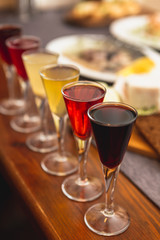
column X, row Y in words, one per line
column 58, row 217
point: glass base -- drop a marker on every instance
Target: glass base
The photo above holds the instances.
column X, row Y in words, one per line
column 82, row 191
column 26, row 124
column 98, row 221
column 42, row 143
column 60, row 165
column 12, row 106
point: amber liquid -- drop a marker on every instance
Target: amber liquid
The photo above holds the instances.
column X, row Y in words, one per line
column 54, row 79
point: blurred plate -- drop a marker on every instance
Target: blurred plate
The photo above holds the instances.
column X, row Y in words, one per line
column 132, row 30
column 117, row 54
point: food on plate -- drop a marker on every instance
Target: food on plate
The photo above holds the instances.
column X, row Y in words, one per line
column 95, row 13
column 153, row 25
column 101, row 54
column 149, row 31
column 141, row 65
column 140, row 87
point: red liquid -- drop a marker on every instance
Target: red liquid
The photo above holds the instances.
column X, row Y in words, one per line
column 19, row 45
column 112, row 127
column 84, row 96
column 7, row 31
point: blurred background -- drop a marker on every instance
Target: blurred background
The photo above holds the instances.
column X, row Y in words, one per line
column 15, row 221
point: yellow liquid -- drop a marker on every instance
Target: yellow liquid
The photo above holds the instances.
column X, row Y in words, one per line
column 33, row 63
column 54, row 80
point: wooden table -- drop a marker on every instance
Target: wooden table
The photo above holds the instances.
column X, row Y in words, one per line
column 58, row 217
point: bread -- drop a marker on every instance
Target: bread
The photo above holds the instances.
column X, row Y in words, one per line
column 149, row 128
column 101, row 13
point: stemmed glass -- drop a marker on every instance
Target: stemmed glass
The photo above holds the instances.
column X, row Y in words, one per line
column 112, row 125
column 14, row 104
column 79, row 96
column 54, row 77
column 43, row 141
column 30, row 120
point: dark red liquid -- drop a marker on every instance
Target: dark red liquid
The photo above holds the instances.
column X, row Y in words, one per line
column 112, row 127
column 84, row 97
column 7, row 31
column 19, row 45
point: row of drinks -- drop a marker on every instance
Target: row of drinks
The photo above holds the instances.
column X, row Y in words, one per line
column 58, row 84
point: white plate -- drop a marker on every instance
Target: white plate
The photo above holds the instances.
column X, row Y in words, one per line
column 67, row 42
column 131, row 30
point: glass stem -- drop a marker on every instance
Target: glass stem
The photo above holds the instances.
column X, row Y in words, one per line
column 29, row 99
column 60, row 123
column 110, row 176
column 43, row 113
column 10, row 74
column 83, row 147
